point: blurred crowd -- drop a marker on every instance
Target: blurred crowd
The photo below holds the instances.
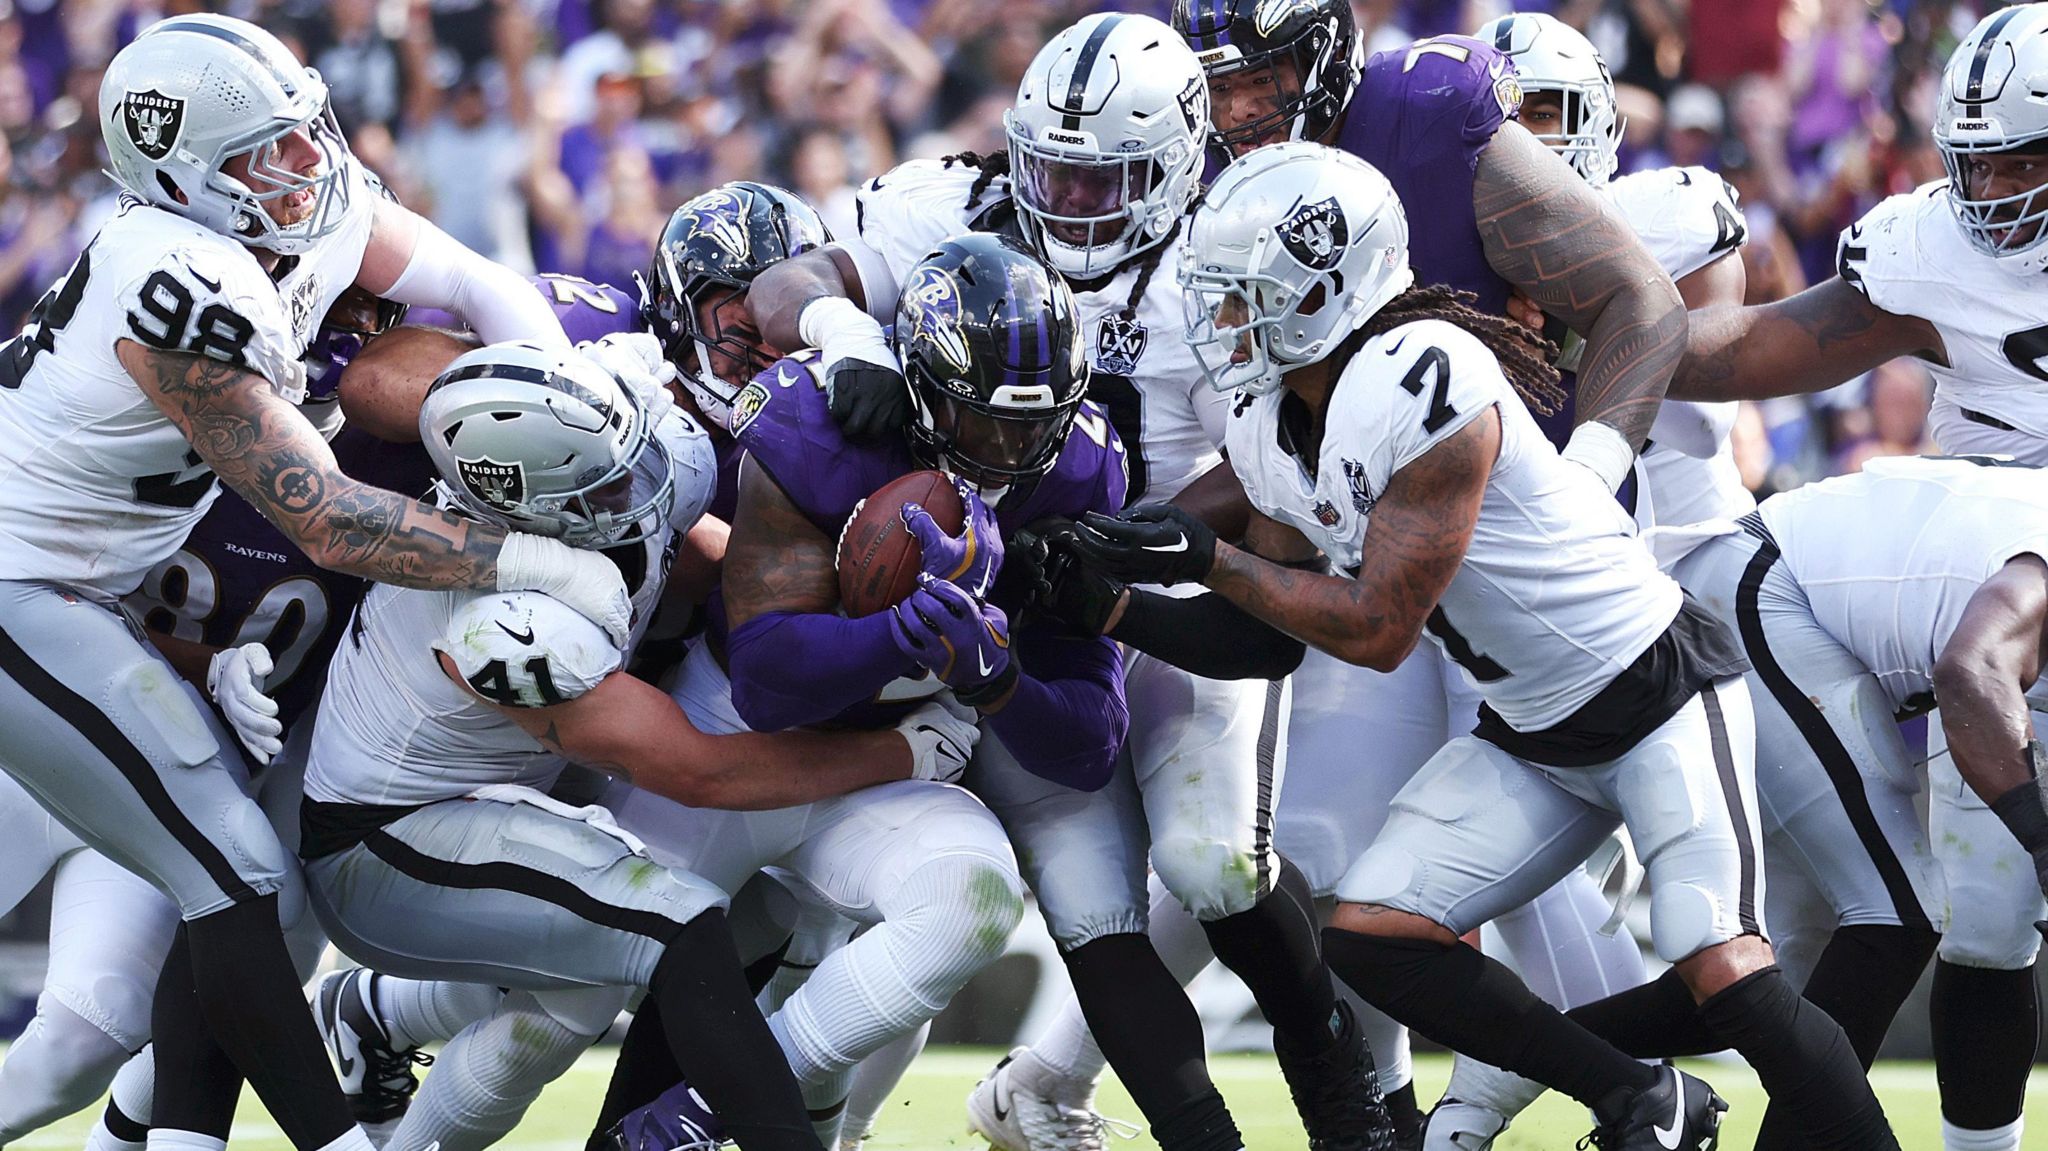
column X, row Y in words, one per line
column 556, row 135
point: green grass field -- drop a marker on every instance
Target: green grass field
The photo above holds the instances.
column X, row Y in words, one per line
column 926, row 1111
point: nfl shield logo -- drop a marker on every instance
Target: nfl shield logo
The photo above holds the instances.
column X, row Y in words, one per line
column 153, row 121
column 1119, row 345
column 1327, row 514
column 502, row 486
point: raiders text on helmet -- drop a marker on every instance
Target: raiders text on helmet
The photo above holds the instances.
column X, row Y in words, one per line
column 1994, row 98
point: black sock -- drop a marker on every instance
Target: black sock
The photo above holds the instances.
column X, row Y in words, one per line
column 121, row 1127
column 1658, row 1020
column 197, row 1085
column 645, row 1068
column 1471, row 1004
column 1862, row 977
column 1803, row 1060
column 1201, row 1124
column 722, row 1043
column 257, row 1011
column 1985, row 1026
column 1404, row 1110
column 1148, row 1031
column 1273, row 947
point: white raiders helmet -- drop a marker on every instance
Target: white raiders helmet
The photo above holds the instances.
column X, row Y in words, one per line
column 1296, row 246
column 543, row 440
column 192, row 92
column 1994, row 98
column 1552, row 56
column 1106, row 141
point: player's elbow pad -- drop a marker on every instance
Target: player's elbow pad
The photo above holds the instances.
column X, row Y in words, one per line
column 1209, row 636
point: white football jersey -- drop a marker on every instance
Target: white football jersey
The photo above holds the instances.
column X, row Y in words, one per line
column 1890, row 556
column 394, row 729
column 1555, row 596
column 1145, row 375
column 1687, row 218
column 96, row 484
column 1908, row 257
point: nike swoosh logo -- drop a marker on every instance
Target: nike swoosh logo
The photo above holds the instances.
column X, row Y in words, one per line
column 210, row 285
column 1684, row 178
column 784, row 379
column 1668, row 1136
column 525, row 639
column 1397, row 344
column 982, row 659
column 1179, row 545
column 1002, row 1112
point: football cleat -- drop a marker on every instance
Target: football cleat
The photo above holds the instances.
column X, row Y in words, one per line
column 1023, row 1105
column 377, row 1077
column 1337, row 1092
column 1455, row 1125
column 1680, row 1113
column 677, row 1120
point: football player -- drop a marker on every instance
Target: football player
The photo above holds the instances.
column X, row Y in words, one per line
column 169, row 355
column 1387, row 437
column 429, row 850
column 998, row 374
column 1105, row 151
column 1943, row 273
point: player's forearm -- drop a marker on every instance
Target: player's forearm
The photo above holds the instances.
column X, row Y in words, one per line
column 791, row 669
column 1069, row 727
column 382, row 387
column 779, row 293
column 188, row 658
column 1630, row 354
column 1345, row 617
column 758, row 772
column 1207, row 635
column 1814, row 340
column 1985, row 716
column 1217, row 498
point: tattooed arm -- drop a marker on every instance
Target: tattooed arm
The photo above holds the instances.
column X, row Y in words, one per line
column 1824, row 335
column 792, row 659
column 262, row 447
column 1551, row 235
column 1413, row 545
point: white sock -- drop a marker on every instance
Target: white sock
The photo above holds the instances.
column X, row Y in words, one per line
column 166, row 1139
column 58, row 1066
column 134, row 1096
column 352, row 1139
column 487, row 1076
column 1068, row 1047
column 878, row 1075
column 416, row 1012
column 1392, row 1061
column 1487, row 1087
column 826, row 1121
column 2006, row 1138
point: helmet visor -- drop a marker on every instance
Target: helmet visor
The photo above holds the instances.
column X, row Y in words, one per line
column 1230, row 326
column 1084, row 201
column 1998, row 212
column 631, row 502
column 294, row 175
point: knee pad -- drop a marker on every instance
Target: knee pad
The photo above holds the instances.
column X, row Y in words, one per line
column 1985, row 941
column 77, row 1054
column 966, row 905
column 1387, row 875
column 1684, row 920
column 1210, row 877
column 113, row 1005
column 586, row 1011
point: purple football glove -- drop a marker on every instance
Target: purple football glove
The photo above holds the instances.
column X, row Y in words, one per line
column 677, row 1120
column 964, row 642
column 970, row 559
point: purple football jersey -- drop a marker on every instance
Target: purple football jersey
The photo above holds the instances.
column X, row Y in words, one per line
column 783, row 422
column 1421, row 115
column 238, row 579
column 587, row 311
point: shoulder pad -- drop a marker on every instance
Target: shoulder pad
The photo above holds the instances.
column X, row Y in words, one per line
column 1686, row 217
column 784, row 421
column 1447, row 92
column 524, row 649
column 209, row 297
column 589, row 311
column 1413, row 387
column 905, row 212
column 1881, row 253
column 694, row 463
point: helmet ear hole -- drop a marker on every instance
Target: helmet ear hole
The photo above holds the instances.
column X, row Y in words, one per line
column 1313, row 300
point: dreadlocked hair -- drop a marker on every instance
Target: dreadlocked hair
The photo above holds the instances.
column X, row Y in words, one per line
column 993, row 166
column 1525, row 356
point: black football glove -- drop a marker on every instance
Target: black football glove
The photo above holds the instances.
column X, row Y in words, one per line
column 869, row 401
column 1059, row 583
column 1157, row 543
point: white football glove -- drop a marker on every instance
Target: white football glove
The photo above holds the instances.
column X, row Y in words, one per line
column 585, row 581
column 636, row 359
column 234, row 678
column 942, row 735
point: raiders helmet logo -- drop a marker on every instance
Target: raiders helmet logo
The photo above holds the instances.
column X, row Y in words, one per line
column 153, row 121
column 1316, row 234
column 502, row 486
column 1361, row 488
column 1119, row 345
column 1194, row 105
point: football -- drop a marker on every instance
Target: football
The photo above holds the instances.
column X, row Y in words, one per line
column 878, row 557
